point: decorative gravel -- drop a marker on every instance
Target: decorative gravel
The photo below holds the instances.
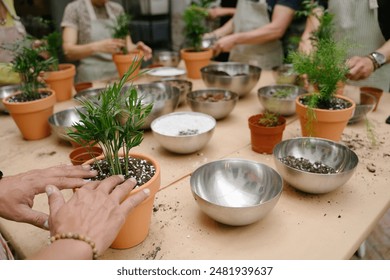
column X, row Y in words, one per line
column 305, row 165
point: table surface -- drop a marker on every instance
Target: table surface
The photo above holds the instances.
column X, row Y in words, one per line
column 301, row 226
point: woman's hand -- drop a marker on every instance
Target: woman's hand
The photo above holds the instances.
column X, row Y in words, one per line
column 360, row 67
column 97, row 210
column 111, row 46
column 146, row 49
column 17, row 192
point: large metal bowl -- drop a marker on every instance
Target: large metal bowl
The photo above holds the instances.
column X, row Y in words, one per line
column 217, row 103
column 365, row 105
column 166, row 58
column 337, row 156
column 237, row 77
column 279, row 99
column 6, row 91
column 183, row 132
column 236, row 192
column 184, row 86
column 62, row 121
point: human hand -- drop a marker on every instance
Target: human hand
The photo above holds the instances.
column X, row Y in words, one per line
column 110, row 45
column 360, row 67
column 305, row 46
column 97, row 210
column 213, row 13
column 224, row 44
column 146, row 50
column 17, row 192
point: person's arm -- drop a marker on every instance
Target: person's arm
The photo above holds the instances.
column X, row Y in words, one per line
column 90, row 220
column 361, row 67
column 17, row 192
column 312, row 24
column 220, row 12
column 281, row 19
column 74, row 51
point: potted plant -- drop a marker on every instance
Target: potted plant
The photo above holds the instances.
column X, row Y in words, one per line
column 33, row 104
column 323, row 113
column 266, row 131
column 101, row 122
column 124, row 58
column 194, row 56
column 60, row 78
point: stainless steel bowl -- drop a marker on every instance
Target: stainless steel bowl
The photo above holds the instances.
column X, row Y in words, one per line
column 217, row 103
column 183, row 132
column 279, row 99
column 62, row 121
column 365, row 105
column 285, row 74
column 166, row 58
column 332, row 154
column 6, row 91
column 184, row 86
column 236, row 192
column 90, row 93
column 236, row 77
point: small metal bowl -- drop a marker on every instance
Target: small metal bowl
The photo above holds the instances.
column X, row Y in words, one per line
column 183, row 132
column 217, row 103
column 279, row 99
column 236, row 192
column 237, row 77
column 337, row 156
column 6, row 91
column 90, row 93
column 184, row 86
column 365, row 105
column 166, row 58
column 62, row 121
column 285, row 74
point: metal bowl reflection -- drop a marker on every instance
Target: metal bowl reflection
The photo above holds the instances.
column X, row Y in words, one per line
column 62, row 121
column 337, row 156
column 236, row 77
column 184, row 86
column 166, row 58
column 6, row 91
column 236, row 192
column 365, row 105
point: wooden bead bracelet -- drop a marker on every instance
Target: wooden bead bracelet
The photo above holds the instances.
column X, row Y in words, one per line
column 76, row 236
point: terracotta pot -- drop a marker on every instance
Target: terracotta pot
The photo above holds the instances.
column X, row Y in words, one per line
column 194, row 61
column 137, row 224
column 82, row 154
column 62, row 81
column 32, row 117
column 264, row 139
column 376, row 92
column 82, row 86
column 328, row 124
column 124, row 61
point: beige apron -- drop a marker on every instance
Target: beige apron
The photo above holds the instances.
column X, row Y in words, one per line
column 100, row 65
column 357, row 22
column 249, row 16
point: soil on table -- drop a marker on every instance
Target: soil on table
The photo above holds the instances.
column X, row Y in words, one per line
column 305, row 165
column 139, row 169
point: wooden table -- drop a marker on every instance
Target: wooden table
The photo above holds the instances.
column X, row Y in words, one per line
column 301, row 226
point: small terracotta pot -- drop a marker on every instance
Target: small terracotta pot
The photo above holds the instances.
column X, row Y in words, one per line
column 376, row 92
column 137, row 223
column 264, row 139
column 82, row 86
column 80, row 155
column 61, row 81
column 328, row 124
column 124, row 61
column 32, row 117
column 194, row 61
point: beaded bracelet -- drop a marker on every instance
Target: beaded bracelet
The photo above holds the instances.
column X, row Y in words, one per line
column 76, row 236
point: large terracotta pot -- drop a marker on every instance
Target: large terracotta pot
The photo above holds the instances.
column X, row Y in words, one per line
column 137, row 224
column 328, row 124
column 264, row 139
column 194, row 61
column 124, row 61
column 32, row 117
column 62, row 81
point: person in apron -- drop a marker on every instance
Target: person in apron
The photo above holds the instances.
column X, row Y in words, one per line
column 356, row 22
column 87, row 38
column 251, row 37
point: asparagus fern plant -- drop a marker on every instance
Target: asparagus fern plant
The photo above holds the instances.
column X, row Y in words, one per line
column 101, row 122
